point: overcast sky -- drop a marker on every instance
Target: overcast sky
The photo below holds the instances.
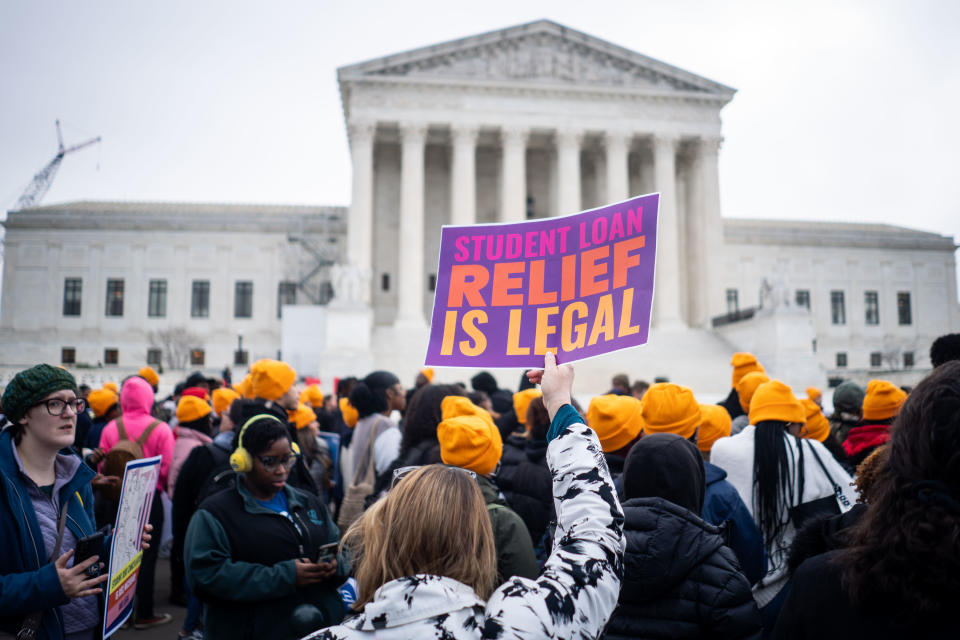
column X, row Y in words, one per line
column 845, row 110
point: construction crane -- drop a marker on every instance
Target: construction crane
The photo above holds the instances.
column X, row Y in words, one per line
column 41, row 182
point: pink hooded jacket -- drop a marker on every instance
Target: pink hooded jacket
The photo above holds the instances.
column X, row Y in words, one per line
column 136, row 401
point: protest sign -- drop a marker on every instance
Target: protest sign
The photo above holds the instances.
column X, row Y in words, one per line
column 133, row 513
column 579, row 285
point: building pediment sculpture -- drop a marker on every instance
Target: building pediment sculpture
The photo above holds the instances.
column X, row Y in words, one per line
column 541, row 51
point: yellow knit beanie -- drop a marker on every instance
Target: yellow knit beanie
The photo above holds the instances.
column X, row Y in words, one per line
column 882, row 400
column 775, row 401
column 670, row 408
column 617, row 420
column 714, row 424
column 743, row 363
column 272, row 379
column 521, row 402
column 468, row 436
column 748, row 385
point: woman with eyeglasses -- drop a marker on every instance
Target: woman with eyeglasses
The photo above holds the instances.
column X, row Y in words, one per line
column 46, row 506
column 262, row 555
column 425, row 561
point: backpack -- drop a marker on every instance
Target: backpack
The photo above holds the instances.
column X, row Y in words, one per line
column 124, row 451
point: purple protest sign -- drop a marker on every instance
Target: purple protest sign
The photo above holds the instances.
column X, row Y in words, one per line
column 580, row 285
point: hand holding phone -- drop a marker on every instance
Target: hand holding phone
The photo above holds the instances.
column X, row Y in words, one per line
column 90, row 546
column 326, row 552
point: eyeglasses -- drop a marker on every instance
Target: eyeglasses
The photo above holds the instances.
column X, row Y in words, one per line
column 270, row 463
column 398, row 474
column 56, row 406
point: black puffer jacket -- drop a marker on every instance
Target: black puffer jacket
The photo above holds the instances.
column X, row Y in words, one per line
column 679, row 580
column 528, row 487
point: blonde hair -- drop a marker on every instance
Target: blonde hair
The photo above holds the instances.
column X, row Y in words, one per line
column 435, row 522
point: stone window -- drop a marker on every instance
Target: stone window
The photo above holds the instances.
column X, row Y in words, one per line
column 385, row 282
column 908, row 359
column 876, row 359
column 111, row 356
column 68, row 355
column 72, row 290
column 243, row 299
column 115, row 297
column 157, row 299
column 803, row 298
column 838, row 312
column 154, row 357
column 432, row 282
column 200, row 299
column 871, row 307
column 196, row 357
column 733, row 302
column 904, row 316
column 841, row 359
column 286, row 294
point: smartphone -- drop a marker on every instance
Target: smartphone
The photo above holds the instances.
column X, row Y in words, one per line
column 88, row 547
column 327, row 552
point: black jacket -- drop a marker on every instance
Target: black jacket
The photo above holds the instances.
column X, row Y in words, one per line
column 528, row 487
column 679, row 580
column 818, row 607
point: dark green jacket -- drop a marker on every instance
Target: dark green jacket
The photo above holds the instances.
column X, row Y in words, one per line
column 250, row 600
column 515, row 555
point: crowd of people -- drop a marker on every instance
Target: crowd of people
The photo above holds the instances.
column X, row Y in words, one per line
column 456, row 511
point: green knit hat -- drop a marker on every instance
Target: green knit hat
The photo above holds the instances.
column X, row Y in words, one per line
column 848, row 397
column 32, row 385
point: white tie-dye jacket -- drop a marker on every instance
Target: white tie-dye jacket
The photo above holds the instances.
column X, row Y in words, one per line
column 572, row 598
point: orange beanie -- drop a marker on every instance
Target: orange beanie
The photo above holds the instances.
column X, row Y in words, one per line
column 521, row 402
column 272, row 379
column 882, row 400
column 775, row 401
column 427, row 373
column 312, row 396
column 223, row 398
column 348, row 413
column 100, row 400
column 191, row 408
column 670, row 408
column 468, row 437
column 617, row 420
column 818, row 428
column 748, row 385
column 714, row 424
column 245, row 387
column 148, row 374
column 743, row 363
column 112, row 386
column 303, row 416
column 813, row 393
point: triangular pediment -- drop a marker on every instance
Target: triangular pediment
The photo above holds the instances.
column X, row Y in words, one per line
column 541, row 52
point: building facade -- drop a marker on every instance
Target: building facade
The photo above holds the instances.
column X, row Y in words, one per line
column 526, row 122
column 122, row 284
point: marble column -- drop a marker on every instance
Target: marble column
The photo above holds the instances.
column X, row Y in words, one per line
column 618, row 178
column 410, row 277
column 667, row 293
column 360, row 227
column 463, row 192
column 568, row 171
column 513, row 175
column 712, row 298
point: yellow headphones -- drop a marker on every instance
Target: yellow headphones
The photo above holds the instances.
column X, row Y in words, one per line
column 240, row 460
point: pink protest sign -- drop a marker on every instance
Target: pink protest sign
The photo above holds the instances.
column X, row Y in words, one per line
column 580, row 285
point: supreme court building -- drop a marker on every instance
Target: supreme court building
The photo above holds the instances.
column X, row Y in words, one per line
column 526, row 122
